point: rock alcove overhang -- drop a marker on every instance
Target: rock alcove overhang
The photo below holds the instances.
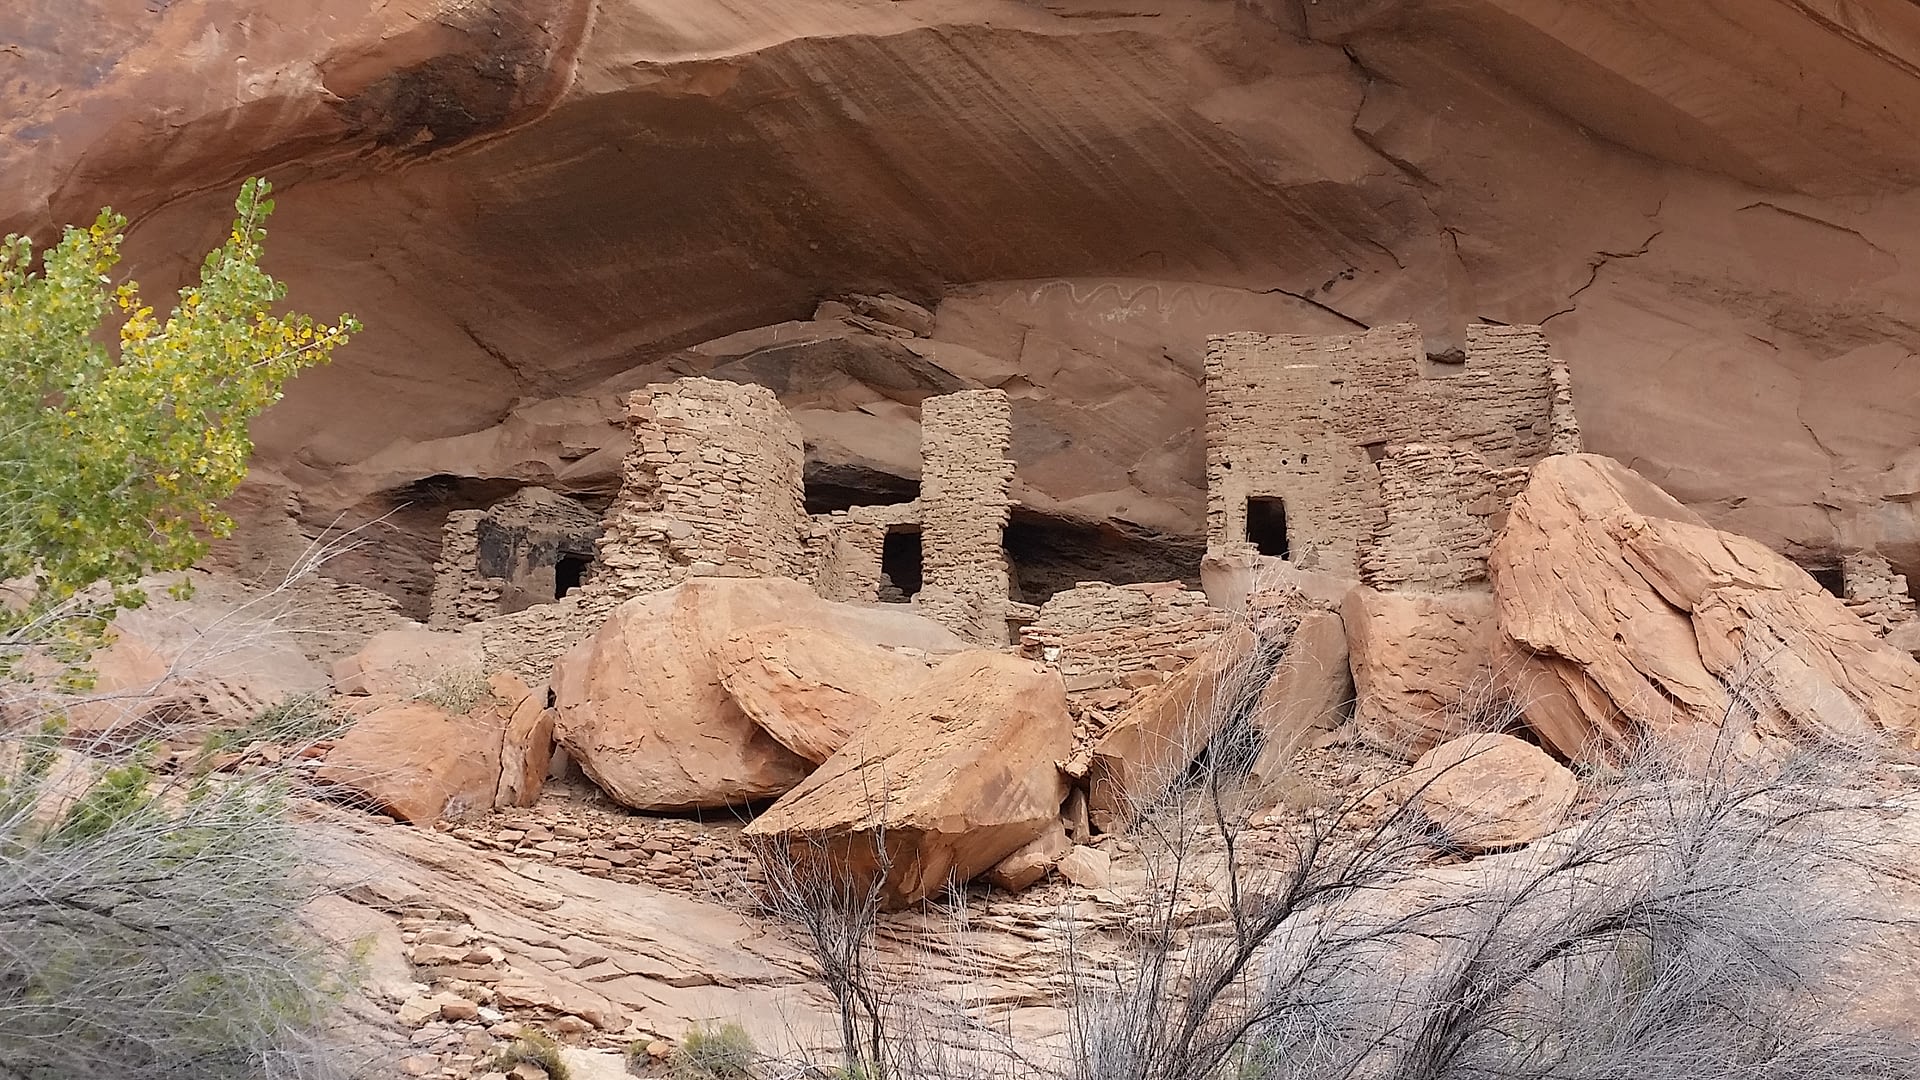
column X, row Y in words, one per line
column 1723, row 260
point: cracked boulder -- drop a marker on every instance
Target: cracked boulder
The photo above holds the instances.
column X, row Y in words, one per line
column 644, row 708
column 1621, row 612
column 811, row 688
column 419, row 762
column 950, row 780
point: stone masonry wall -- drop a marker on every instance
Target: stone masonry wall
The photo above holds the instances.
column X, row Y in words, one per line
column 1439, row 505
column 712, row 486
column 1875, row 593
column 1308, row 419
column 850, row 544
column 1115, row 641
column 461, row 594
column 965, row 485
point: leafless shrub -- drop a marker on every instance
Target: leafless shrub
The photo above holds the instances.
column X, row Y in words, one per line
column 151, row 914
column 1677, row 929
column 905, row 1008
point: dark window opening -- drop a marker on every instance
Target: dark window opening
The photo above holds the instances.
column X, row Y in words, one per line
column 900, row 562
column 1375, row 451
column 569, row 573
column 1831, row 578
column 1267, row 526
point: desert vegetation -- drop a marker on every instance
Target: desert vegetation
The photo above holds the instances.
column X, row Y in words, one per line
column 1669, row 926
column 150, row 905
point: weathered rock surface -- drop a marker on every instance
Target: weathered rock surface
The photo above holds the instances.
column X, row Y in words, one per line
column 1419, row 661
column 643, row 709
column 952, row 778
column 811, row 688
column 179, row 666
column 1622, row 611
column 1310, row 691
column 407, row 660
column 626, row 957
column 1485, row 791
column 446, row 172
column 1154, row 741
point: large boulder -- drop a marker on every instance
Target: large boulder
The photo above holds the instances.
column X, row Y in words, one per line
column 1158, row 737
column 644, row 711
column 1621, row 612
column 811, row 688
column 1420, row 664
column 419, row 762
column 1485, row 791
column 408, row 659
column 951, row 779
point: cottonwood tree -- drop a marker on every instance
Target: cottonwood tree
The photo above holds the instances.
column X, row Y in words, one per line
column 117, row 448
column 150, row 911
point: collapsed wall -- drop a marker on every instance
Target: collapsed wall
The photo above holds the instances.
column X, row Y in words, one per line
column 1111, row 643
column 1874, row 592
column 532, row 547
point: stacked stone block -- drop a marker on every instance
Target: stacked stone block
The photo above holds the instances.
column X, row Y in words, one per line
column 965, row 498
column 461, row 594
column 1438, row 504
column 711, row 486
column 851, row 543
column 1308, row 420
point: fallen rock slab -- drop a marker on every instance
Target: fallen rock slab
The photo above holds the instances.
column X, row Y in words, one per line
column 1154, row 741
column 419, row 763
column 1485, row 791
column 1620, row 612
column 1419, row 662
column 1032, row 861
column 1310, row 691
column 811, row 688
column 952, row 778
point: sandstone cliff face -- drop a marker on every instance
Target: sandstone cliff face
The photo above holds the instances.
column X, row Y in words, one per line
column 536, row 204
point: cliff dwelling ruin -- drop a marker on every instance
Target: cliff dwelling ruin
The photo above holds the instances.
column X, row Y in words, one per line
column 1361, row 455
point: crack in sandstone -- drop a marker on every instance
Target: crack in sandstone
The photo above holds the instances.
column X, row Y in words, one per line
column 1606, row 258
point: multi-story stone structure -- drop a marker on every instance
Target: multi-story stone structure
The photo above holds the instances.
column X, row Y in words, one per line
column 1361, row 456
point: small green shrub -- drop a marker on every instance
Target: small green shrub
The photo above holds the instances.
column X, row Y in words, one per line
column 459, row 691
column 298, row 720
column 725, row 1052
column 533, row 1047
